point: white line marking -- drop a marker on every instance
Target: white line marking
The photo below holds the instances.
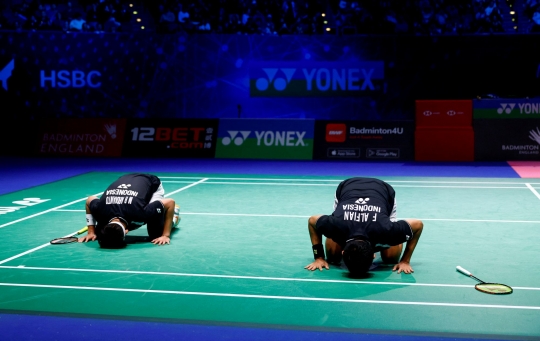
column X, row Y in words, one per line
column 180, row 274
column 46, row 211
column 24, row 253
column 292, row 298
column 334, row 180
column 533, row 190
column 32, row 250
column 333, row 185
column 478, row 220
column 186, row 187
column 69, row 235
column 307, row 216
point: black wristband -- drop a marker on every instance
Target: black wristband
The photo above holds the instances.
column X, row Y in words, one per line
column 318, row 251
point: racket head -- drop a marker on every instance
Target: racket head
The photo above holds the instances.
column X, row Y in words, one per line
column 494, row 288
column 64, row 240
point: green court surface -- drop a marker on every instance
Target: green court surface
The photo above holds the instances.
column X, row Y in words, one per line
column 239, row 253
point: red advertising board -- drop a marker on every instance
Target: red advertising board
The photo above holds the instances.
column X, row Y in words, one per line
column 444, row 113
column 81, row 137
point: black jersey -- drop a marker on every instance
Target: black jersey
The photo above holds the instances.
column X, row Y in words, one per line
column 128, row 198
column 363, row 208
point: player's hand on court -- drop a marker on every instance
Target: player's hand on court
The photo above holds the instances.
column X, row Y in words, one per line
column 88, row 238
column 162, row 240
column 319, row 263
column 403, row 267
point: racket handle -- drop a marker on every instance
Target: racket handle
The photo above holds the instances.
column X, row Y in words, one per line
column 463, row 271
column 84, row 229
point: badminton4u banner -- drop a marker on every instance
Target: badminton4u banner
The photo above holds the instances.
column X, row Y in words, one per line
column 265, row 139
column 364, row 140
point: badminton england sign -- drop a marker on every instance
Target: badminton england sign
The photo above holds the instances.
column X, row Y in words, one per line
column 265, row 139
column 501, row 140
column 301, row 79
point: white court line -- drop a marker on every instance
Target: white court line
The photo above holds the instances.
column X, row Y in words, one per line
column 58, row 210
column 46, row 211
column 287, row 279
column 291, row 298
column 329, row 180
column 533, row 190
column 186, row 187
column 333, row 185
column 307, row 216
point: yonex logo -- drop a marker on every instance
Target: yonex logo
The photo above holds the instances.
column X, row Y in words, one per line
column 361, row 201
column 158, row 210
column 6, row 73
column 451, row 113
column 279, row 83
column 506, row 108
column 234, row 137
column 111, row 129
column 535, row 135
column 300, row 79
column 427, row 113
column 124, row 186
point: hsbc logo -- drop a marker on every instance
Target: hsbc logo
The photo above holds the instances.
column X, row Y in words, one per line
column 74, row 79
column 6, row 73
column 336, row 132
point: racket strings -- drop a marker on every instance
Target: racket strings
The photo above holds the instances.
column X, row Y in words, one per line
column 64, row 240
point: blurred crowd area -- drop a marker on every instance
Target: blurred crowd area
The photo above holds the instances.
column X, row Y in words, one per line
column 275, row 17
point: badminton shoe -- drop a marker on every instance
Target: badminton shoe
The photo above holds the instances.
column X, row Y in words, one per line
column 176, row 217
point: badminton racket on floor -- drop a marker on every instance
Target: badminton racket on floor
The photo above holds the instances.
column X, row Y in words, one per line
column 69, row 239
column 490, row 288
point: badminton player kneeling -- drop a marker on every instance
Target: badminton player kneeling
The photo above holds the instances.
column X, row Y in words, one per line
column 128, row 203
column 363, row 222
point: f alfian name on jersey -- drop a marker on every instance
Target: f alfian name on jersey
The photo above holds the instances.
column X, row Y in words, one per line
column 360, row 213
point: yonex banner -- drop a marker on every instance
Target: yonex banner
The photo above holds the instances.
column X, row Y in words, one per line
column 293, row 79
column 194, row 138
column 81, row 137
column 265, row 139
column 506, row 108
column 506, row 140
column 364, row 140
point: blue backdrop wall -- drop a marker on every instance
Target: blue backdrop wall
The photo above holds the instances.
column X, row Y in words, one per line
column 55, row 74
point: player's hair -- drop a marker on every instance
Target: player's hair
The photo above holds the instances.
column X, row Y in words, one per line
column 358, row 256
column 111, row 236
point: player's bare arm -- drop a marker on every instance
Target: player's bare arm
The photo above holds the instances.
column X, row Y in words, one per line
column 404, row 264
column 91, row 234
column 169, row 213
column 316, row 241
